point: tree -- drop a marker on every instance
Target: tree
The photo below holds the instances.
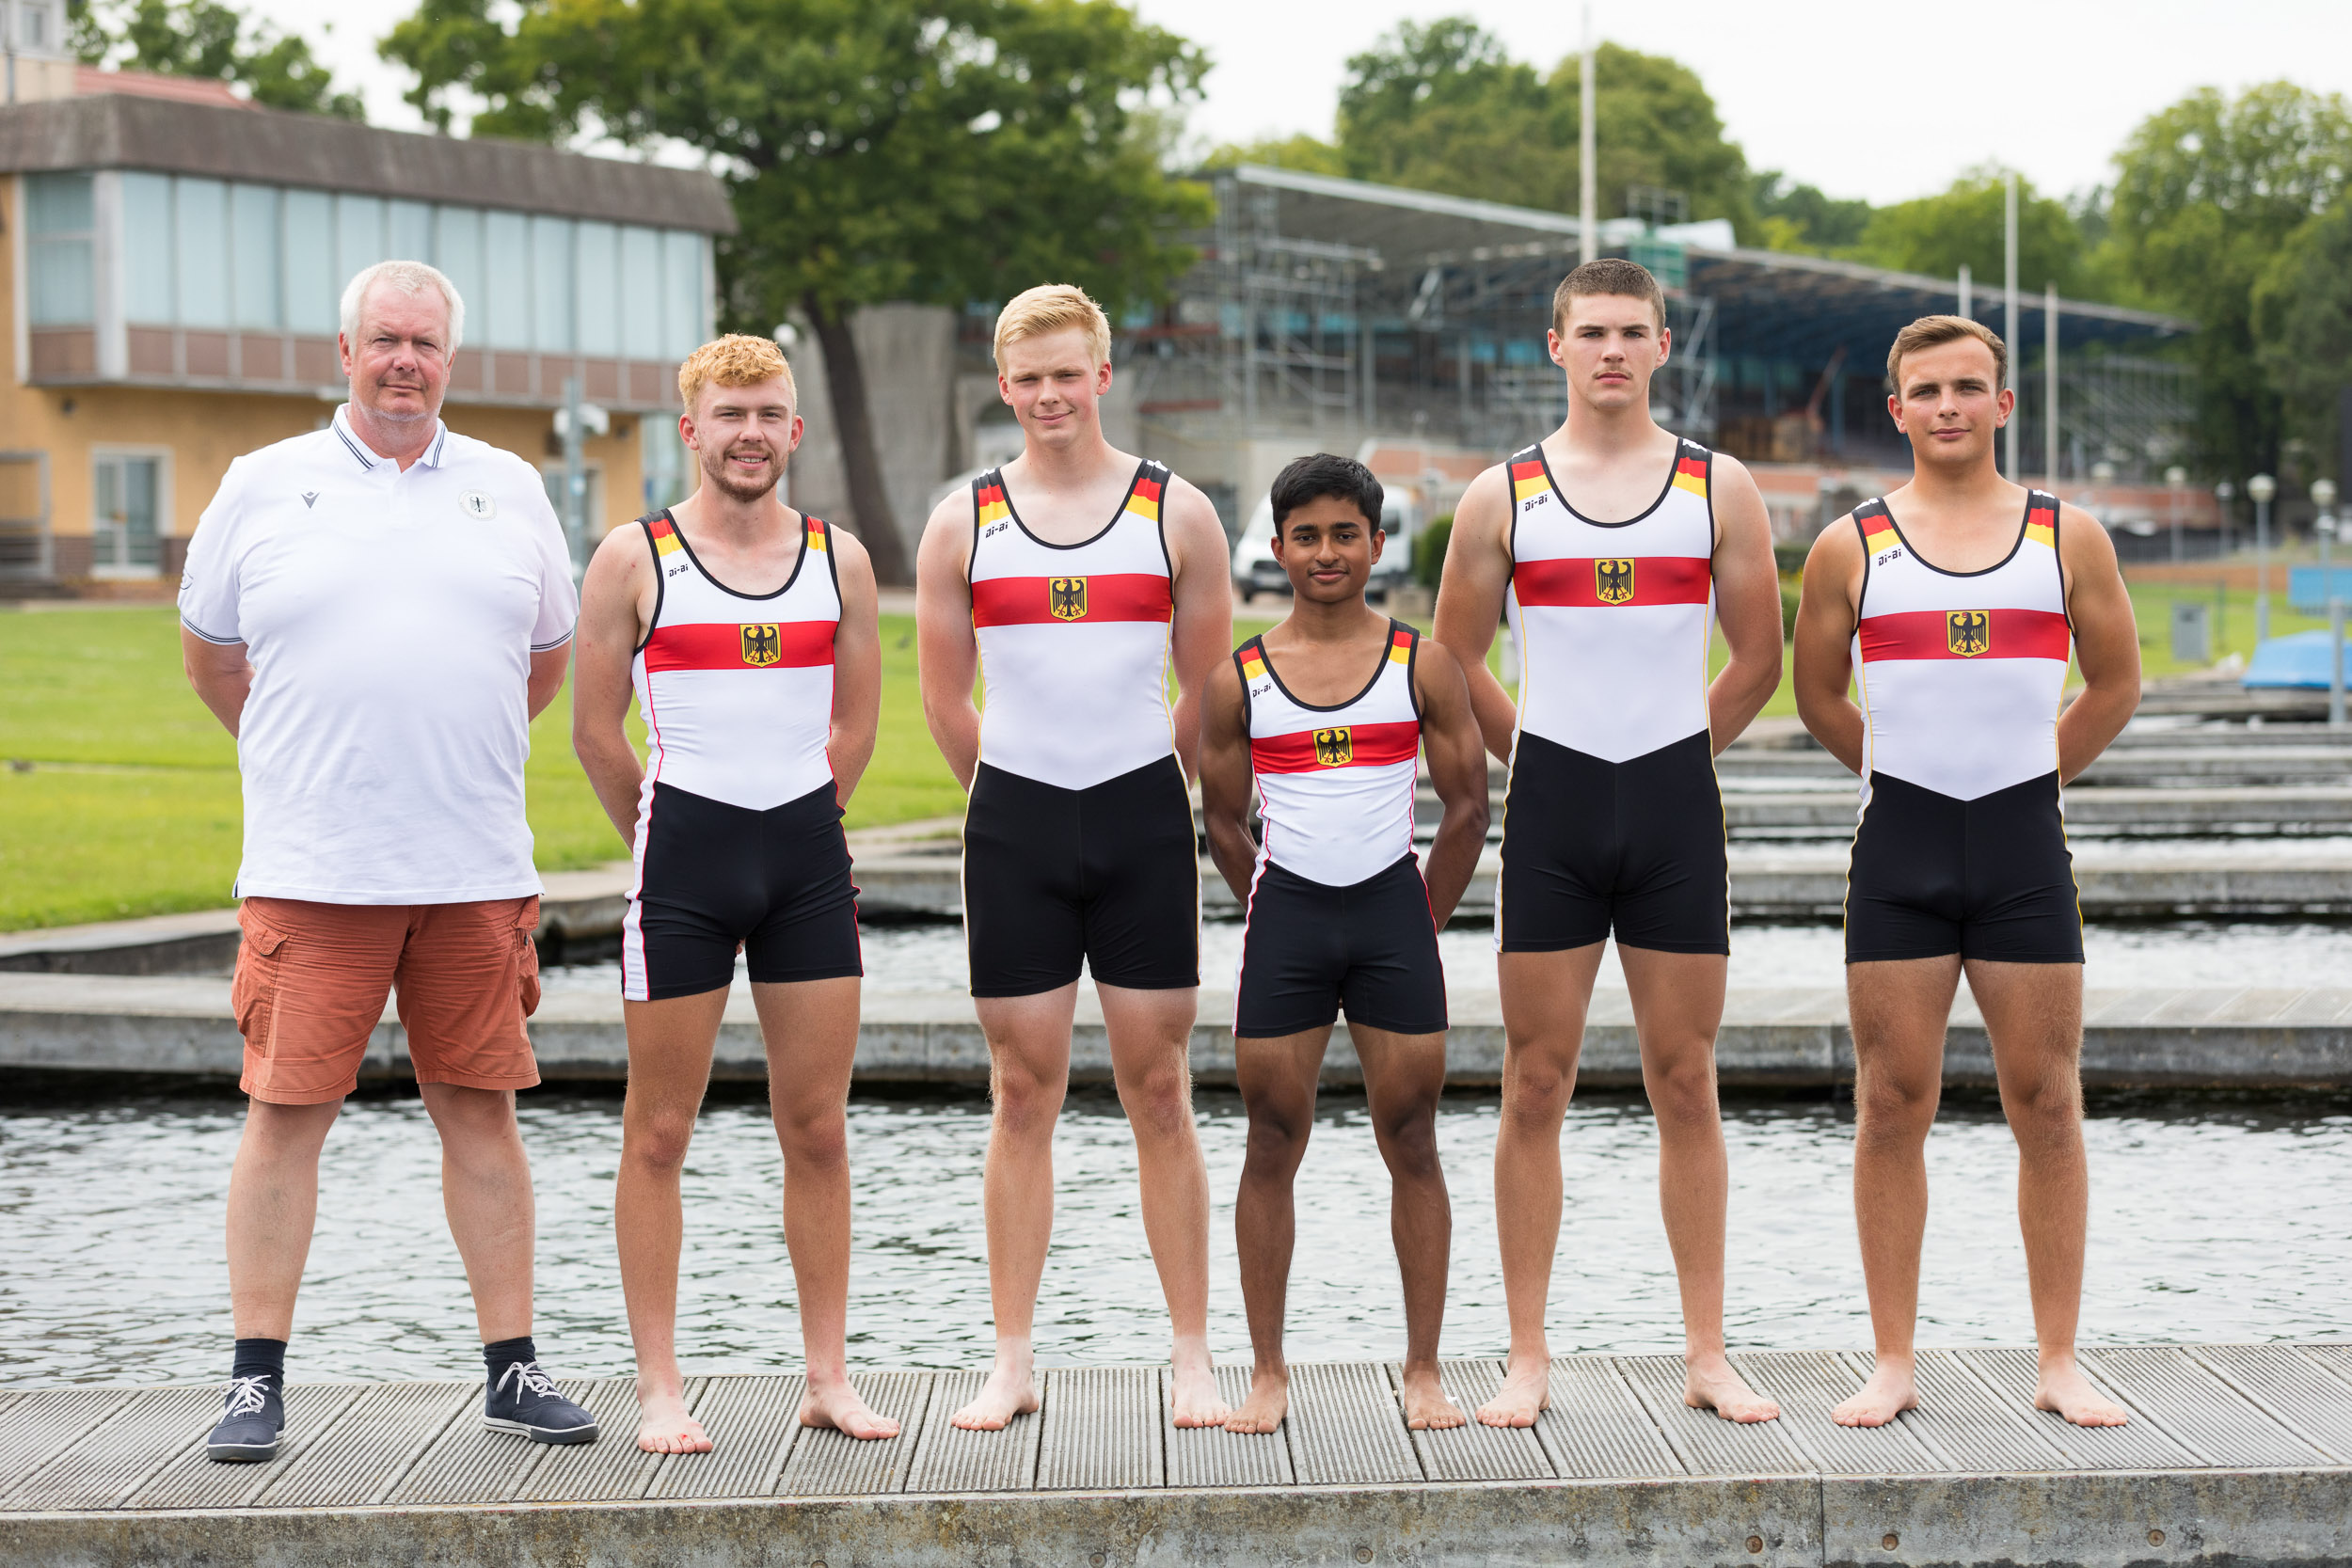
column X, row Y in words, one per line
column 876, row 150
column 210, row 39
column 2209, row 195
column 1443, row 107
column 2302, row 317
column 1935, row 234
column 1800, row 218
column 1306, row 153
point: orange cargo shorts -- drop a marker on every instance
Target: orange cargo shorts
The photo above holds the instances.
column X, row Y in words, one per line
column 312, row 981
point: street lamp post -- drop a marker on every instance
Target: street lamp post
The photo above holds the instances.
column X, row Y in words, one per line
column 2324, row 497
column 2260, row 489
column 2174, row 477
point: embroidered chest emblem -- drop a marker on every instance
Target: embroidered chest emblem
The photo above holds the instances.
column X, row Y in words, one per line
column 1967, row 632
column 1334, row 748
column 478, row 505
column 763, row 644
column 1066, row 598
column 1612, row 581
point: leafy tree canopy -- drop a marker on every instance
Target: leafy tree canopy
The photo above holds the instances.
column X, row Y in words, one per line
column 1800, row 218
column 2213, row 199
column 2303, row 319
column 877, row 150
column 208, row 38
column 1306, row 153
column 1935, row 234
column 1442, row 106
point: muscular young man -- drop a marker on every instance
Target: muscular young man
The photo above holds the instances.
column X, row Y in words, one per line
column 1963, row 596
column 1072, row 578
column 1325, row 715
column 747, row 633
column 1615, row 546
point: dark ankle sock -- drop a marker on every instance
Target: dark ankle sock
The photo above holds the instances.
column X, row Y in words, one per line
column 502, row 1353
column 256, row 1356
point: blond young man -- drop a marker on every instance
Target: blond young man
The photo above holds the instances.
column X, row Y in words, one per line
column 747, row 632
column 1071, row 580
column 1615, row 547
column 1965, row 596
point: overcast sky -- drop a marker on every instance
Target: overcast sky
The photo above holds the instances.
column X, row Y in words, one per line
column 1877, row 100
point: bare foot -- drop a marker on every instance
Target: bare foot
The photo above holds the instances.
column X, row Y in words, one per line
column 1269, row 1401
column 837, row 1405
column 1526, row 1393
column 1887, row 1394
column 664, row 1427
column 1426, row 1408
column 1709, row 1384
column 1193, row 1399
column 2065, row 1389
column 1010, row 1391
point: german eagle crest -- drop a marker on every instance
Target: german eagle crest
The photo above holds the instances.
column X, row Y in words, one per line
column 1967, row 632
column 1066, row 598
column 763, row 644
column 1334, row 748
column 1612, row 581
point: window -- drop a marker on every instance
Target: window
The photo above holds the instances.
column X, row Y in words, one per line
column 359, row 237
column 457, row 245
column 311, row 291
column 685, row 303
column 600, row 288
column 552, row 285
column 253, row 260
column 506, row 280
column 409, row 232
column 61, row 222
column 201, row 207
column 147, row 249
column 641, row 293
column 123, row 532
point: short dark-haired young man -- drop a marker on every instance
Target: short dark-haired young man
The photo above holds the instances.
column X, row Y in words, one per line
column 1326, row 714
column 1615, row 547
column 1964, row 615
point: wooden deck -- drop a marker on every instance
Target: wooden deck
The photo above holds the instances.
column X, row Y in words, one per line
column 2236, row 1451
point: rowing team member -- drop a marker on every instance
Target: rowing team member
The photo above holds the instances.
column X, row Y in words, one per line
column 747, row 634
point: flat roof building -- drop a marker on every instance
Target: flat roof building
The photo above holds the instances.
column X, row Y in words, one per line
column 169, row 281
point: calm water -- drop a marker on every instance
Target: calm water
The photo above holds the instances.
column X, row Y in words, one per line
column 2215, row 1222
column 2190, row 953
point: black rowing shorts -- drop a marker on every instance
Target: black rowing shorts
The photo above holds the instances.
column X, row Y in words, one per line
column 1990, row 877
column 1635, row 847
column 1312, row 950
column 715, row 877
column 1109, row 875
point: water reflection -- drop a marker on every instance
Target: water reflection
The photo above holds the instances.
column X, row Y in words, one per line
column 2212, row 1222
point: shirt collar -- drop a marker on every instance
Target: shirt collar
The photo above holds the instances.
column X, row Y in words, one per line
column 366, row 456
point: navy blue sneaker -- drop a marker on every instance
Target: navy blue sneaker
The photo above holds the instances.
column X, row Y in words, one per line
column 252, row 1419
column 524, row 1400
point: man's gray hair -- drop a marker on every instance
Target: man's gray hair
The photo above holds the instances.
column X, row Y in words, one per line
column 409, row 277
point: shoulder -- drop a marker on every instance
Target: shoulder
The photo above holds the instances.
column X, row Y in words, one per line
column 1722, row 469
column 1183, row 503
column 1486, row 504
column 1839, row 545
column 848, row 550
column 948, row 533
column 2083, row 541
column 477, row 462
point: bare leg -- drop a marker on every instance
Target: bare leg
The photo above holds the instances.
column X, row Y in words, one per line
column 1029, row 1048
column 1898, row 1010
column 2034, row 1013
column 272, row 1208
column 810, row 1027
column 1276, row 1078
column 486, row 1191
column 1151, row 1043
column 669, row 1070
column 1545, row 997
column 1403, row 1075
column 1677, row 1006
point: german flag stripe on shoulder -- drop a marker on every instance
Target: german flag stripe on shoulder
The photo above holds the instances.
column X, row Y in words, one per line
column 1877, row 528
column 1401, row 648
column 1691, row 472
column 1337, row 745
column 816, row 534
column 991, row 499
column 2042, row 523
column 665, row 539
column 1527, row 478
column 1253, row 661
column 1144, row 500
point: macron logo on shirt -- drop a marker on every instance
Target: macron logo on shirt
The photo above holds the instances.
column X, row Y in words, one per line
column 310, row 498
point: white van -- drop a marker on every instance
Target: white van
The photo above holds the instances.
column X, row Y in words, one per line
column 1255, row 571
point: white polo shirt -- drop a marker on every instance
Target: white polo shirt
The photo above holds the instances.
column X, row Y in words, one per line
column 391, row 618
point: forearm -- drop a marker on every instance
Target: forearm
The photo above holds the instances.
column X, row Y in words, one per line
column 614, row 773
column 224, row 694
column 851, row 749
column 1737, row 694
column 2090, row 722
column 1453, row 856
column 1184, row 718
column 1835, row 722
column 1490, row 704
column 1234, row 852
column 956, row 730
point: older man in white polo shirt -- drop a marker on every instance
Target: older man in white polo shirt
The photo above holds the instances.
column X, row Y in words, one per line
column 376, row 610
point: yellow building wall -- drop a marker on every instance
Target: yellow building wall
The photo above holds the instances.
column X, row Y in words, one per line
column 201, row 432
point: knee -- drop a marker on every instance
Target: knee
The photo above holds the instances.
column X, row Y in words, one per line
column 1408, row 1141
column 1159, row 1103
column 2046, row 1108
column 819, row 1140
column 1276, row 1142
column 1024, row 1102
column 1682, row 1089
column 656, row 1145
column 1890, row 1108
column 1535, row 1091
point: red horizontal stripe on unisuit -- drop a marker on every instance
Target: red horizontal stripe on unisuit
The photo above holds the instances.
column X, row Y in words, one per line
column 1337, row 746
column 740, row 645
column 1578, row 583
column 1966, row 634
column 1102, row 596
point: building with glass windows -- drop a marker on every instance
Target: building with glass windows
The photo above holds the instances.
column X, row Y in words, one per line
column 172, row 276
